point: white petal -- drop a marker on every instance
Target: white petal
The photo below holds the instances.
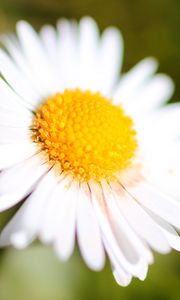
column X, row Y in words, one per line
column 19, row 239
column 13, row 154
column 131, row 245
column 11, row 135
column 24, row 225
column 49, row 40
column 54, row 212
column 37, row 58
column 21, row 62
column 122, row 277
column 16, row 80
column 132, row 81
column 18, row 181
column 153, row 94
column 169, row 232
column 162, row 205
column 88, row 232
column 58, row 222
column 139, row 220
column 110, row 58
column 166, row 156
column 165, row 122
column 138, row 268
column 87, row 54
column 67, row 60
column 11, row 102
column 65, row 238
column 11, row 119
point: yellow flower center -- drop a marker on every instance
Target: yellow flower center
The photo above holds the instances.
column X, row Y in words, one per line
column 84, row 132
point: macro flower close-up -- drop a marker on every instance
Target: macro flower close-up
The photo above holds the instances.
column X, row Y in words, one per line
column 90, row 153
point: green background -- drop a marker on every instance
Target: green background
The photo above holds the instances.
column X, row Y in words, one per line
column 150, row 28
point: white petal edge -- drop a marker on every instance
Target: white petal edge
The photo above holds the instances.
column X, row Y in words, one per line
column 58, row 222
column 152, row 95
column 13, row 103
column 13, row 154
column 19, row 180
column 134, row 79
column 37, row 58
column 88, row 232
column 164, row 206
column 98, row 203
column 24, row 225
column 88, row 36
column 169, row 232
column 110, row 59
column 139, row 220
column 67, row 54
column 16, row 80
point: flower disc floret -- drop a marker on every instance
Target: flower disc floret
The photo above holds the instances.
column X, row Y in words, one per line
column 84, row 132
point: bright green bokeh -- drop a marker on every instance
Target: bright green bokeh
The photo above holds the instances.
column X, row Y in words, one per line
column 36, row 274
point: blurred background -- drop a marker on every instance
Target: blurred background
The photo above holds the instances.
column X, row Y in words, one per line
column 149, row 27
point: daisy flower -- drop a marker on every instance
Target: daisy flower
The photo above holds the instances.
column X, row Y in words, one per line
column 93, row 155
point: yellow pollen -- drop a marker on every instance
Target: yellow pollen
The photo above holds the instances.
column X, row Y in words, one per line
column 84, row 132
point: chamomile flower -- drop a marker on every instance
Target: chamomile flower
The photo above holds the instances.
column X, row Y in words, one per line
column 94, row 154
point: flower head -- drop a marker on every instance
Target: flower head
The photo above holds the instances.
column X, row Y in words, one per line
column 95, row 155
